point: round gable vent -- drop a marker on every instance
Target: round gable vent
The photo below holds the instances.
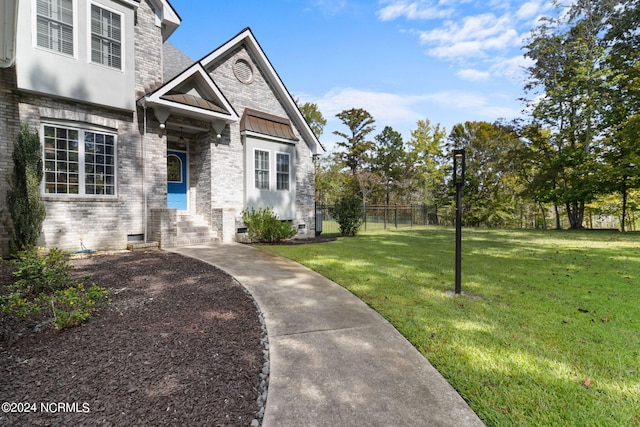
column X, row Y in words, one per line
column 243, row 71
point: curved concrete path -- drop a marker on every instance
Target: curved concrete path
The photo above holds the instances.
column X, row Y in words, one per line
column 333, row 360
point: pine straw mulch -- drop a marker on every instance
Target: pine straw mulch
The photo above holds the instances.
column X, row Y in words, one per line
column 179, row 344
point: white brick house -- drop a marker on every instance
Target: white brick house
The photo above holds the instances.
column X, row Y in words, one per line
column 139, row 143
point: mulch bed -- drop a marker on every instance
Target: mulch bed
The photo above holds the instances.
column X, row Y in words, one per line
column 179, row 344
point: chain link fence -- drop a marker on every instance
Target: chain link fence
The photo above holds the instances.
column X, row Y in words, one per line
column 381, row 217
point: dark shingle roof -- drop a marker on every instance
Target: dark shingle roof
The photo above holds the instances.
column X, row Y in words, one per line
column 175, row 61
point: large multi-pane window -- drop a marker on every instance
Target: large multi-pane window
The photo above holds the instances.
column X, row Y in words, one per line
column 106, row 37
column 282, row 171
column 262, row 169
column 55, row 25
column 79, row 161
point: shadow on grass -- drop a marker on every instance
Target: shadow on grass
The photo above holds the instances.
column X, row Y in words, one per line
column 547, row 330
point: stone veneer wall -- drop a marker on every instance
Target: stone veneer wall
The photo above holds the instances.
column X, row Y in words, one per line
column 99, row 223
column 227, row 160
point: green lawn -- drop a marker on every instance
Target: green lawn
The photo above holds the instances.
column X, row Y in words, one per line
column 546, row 333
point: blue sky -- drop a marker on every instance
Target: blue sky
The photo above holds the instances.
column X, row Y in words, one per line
column 448, row 61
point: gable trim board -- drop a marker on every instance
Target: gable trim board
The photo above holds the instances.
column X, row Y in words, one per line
column 164, row 101
column 246, row 38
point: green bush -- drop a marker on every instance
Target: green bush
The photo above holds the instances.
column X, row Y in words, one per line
column 348, row 214
column 45, row 291
column 263, row 225
column 39, row 273
column 74, row 305
column 26, row 209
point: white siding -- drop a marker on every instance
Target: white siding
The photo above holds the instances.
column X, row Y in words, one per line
column 76, row 77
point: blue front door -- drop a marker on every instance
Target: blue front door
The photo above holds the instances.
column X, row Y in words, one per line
column 177, row 180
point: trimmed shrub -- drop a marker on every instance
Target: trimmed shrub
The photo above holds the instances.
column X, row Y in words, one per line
column 348, row 214
column 26, row 209
column 41, row 273
column 264, row 226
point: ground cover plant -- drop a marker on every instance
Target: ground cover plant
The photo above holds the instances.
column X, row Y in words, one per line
column 45, row 292
column 547, row 331
column 178, row 345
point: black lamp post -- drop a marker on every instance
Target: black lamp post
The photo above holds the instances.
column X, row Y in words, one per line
column 458, row 179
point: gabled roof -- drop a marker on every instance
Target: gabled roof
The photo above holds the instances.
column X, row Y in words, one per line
column 174, row 61
column 192, row 93
column 246, row 38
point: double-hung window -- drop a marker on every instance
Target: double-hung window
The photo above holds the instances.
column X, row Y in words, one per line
column 79, row 162
column 262, row 169
column 106, row 37
column 55, row 25
column 282, row 171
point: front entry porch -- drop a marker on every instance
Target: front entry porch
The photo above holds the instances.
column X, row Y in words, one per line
column 177, row 180
column 172, row 229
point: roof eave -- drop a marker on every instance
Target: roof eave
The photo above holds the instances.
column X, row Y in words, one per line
column 167, row 16
column 164, row 109
column 246, row 36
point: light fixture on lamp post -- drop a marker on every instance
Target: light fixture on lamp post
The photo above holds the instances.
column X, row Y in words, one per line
column 458, row 180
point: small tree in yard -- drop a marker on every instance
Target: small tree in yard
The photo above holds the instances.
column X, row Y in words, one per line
column 348, row 213
column 26, row 210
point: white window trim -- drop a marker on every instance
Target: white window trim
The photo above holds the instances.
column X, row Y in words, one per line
column 34, row 30
column 270, row 138
column 90, row 33
column 81, row 161
column 181, row 168
column 288, row 173
column 270, row 170
column 273, row 170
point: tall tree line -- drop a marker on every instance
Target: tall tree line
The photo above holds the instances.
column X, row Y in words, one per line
column 578, row 150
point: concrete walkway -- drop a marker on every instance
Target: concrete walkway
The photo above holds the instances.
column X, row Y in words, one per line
column 333, row 360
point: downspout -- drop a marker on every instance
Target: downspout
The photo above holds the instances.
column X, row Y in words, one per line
column 144, row 172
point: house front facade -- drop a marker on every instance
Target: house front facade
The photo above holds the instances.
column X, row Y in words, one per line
column 141, row 144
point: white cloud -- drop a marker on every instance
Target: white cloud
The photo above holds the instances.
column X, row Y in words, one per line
column 513, row 68
column 401, row 112
column 474, row 37
column 528, row 10
column 384, row 107
column 533, row 10
column 330, row 7
column 413, row 10
column 473, row 75
column 391, row 108
column 467, row 49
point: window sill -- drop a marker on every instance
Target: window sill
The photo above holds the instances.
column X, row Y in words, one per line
column 68, row 198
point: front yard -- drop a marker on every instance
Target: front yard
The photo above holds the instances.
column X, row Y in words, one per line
column 546, row 333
